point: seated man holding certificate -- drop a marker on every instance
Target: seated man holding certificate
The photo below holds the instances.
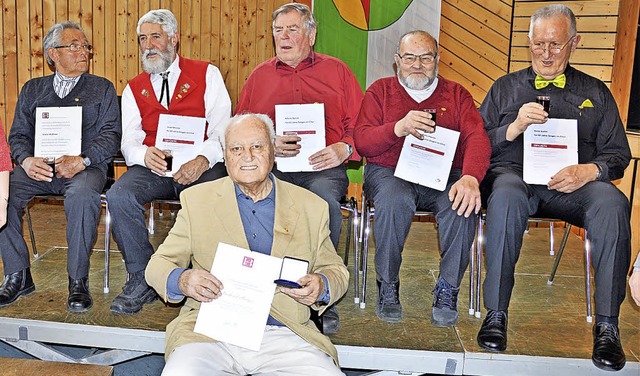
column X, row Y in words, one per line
column 581, row 193
column 173, row 115
column 399, row 113
column 297, row 81
column 253, row 210
column 65, row 131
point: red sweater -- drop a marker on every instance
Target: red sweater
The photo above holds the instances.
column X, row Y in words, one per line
column 317, row 79
column 5, row 157
column 386, row 102
column 188, row 97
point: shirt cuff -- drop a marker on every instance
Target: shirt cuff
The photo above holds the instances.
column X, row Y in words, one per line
column 173, row 290
column 325, row 297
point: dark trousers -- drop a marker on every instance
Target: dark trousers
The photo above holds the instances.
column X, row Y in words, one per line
column 396, row 202
column 81, row 206
column 598, row 207
column 127, row 199
column 331, row 185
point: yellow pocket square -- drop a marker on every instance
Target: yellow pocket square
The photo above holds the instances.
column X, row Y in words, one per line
column 585, row 104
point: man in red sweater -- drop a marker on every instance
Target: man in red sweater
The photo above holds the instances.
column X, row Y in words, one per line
column 298, row 75
column 394, row 107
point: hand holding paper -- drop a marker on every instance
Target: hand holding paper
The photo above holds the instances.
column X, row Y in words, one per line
column 200, row 285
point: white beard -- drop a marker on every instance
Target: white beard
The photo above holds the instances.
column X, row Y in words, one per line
column 152, row 66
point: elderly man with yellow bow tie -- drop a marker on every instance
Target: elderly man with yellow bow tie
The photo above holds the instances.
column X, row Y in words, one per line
column 581, row 194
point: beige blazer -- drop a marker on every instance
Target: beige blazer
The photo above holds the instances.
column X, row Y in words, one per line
column 210, row 215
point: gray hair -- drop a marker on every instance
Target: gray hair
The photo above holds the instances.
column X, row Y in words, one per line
column 162, row 17
column 241, row 118
column 416, row 32
column 54, row 36
column 310, row 23
column 553, row 11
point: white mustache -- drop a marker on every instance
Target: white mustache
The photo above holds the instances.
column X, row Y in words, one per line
column 146, row 53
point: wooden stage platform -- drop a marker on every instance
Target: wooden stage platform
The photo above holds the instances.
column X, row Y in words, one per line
column 548, row 333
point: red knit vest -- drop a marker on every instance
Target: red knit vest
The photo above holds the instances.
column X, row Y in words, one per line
column 187, row 100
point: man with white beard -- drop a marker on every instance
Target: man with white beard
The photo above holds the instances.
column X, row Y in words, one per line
column 393, row 108
column 170, row 84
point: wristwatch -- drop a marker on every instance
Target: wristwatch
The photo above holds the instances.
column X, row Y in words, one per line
column 86, row 162
column 349, row 149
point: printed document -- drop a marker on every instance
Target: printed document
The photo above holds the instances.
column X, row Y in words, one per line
column 183, row 135
column 239, row 315
column 548, row 148
column 428, row 162
column 307, row 122
column 58, row 131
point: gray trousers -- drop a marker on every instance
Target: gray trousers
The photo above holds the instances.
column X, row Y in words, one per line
column 331, row 185
column 127, row 199
column 396, row 202
column 598, row 207
column 81, row 206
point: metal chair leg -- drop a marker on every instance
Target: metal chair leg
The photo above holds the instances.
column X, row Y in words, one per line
column 587, row 265
column 27, row 214
column 107, row 244
column 365, row 253
column 567, row 231
column 472, row 273
column 551, row 240
column 151, row 223
column 480, row 249
column 356, row 252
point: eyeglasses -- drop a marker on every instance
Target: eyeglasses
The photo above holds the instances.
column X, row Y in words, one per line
column 553, row 47
column 77, row 47
column 409, row 59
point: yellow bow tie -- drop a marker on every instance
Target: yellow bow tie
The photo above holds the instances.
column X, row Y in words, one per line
column 559, row 81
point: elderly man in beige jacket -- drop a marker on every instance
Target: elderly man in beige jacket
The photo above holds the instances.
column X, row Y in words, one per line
column 254, row 210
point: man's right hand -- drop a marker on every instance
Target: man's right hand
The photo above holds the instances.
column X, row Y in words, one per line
column 415, row 123
column 529, row 113
column 154, row 160
column 37, row 169
column 200, row 285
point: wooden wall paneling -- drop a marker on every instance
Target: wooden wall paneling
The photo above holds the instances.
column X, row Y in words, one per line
column 481, row 54
column 623, row 58
column 595, row 24
column 498, row 8
column 185, row 27
column 111, row 39
column 246, row 40
column 216, row 28
column 264, row 39
column 131, row 43
column 24, row 42
column 49, row 16
column 229, row 47
column 10, row 58
column 475, row 27
column 120, row 42
column 36, row 35
column 479, row 79
column 592, row 7
column 85, row 16
column 62, row 11
column 493, row 21
column 204, row 44
column 98, row 40
column 448, row 72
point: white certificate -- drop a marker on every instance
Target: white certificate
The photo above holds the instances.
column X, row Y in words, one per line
column 548, row 148
column 183, row 135
column 58, row 131
column 428, row 162
column 307, row 122
column 239, row 315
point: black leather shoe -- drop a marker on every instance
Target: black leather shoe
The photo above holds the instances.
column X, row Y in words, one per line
column 16, row 285
column 330, row 321
column 607, row 349
column 79, row 296
column 492, row 335
column 135, row 294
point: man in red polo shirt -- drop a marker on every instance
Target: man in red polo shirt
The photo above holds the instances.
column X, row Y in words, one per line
column 170, row 84
column 298, row 75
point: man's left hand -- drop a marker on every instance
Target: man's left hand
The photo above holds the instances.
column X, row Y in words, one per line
column 465, row 195
column 191, row 171
column 312, row 288
column 68, row 167
column 572, row 178
column 329, row 157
